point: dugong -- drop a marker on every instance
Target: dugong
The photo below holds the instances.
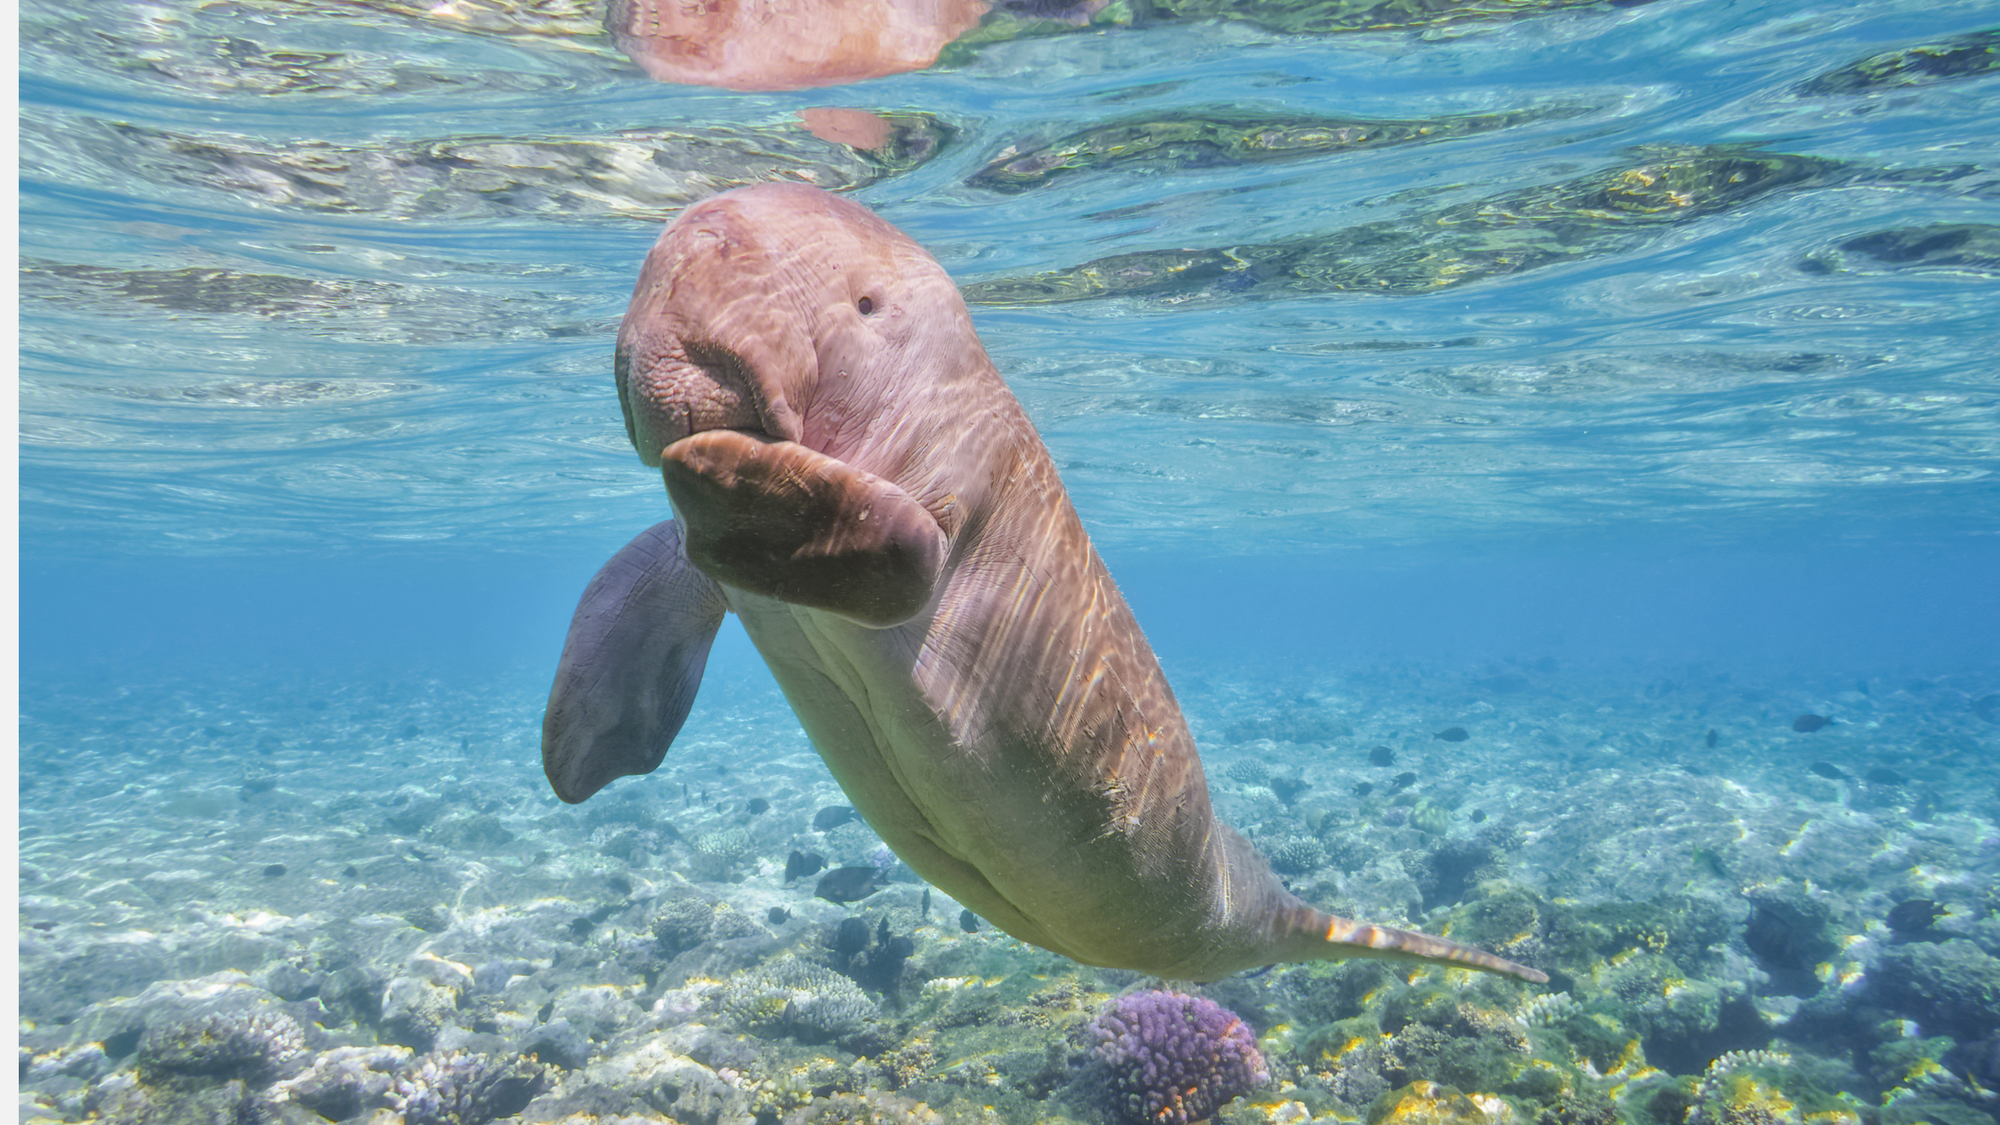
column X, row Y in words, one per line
column 851, row 477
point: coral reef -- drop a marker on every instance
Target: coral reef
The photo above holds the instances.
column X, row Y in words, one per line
column 595, row 966
column 1297, row 855
column 868, row 1108
column 345, row 1082
column 252, row 1047
column 456, row 1088
column 1175, row 1058
column 789, row 996
column 1950, row 988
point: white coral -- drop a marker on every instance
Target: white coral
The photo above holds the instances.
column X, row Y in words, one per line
column 1547, row 1009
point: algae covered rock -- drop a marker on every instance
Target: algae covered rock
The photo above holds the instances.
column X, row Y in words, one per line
column 1430, row 1103
column 1449, row 871
column 122, row 1100
column 867, row 1107
column 1788, row 934
column 347, row 1081
column 647, row 1080
column 1949, row 988
column 415, row 1009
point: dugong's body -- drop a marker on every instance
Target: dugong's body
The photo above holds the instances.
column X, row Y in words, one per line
column 853, row 479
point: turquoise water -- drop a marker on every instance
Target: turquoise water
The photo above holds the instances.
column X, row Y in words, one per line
column 1591, row 380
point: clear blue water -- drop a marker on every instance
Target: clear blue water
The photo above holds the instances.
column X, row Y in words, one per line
column 318, row 303
column 440, row 401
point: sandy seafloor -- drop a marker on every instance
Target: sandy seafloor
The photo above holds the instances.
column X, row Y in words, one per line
column 267, row 899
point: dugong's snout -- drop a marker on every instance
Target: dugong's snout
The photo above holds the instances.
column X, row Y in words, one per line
column 711, row 341
column 672, row 388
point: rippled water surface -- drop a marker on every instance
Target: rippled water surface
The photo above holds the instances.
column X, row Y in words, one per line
column 313, row 276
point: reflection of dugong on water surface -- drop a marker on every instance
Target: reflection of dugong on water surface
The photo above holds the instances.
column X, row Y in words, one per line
column 854, row 480
column 797, row 44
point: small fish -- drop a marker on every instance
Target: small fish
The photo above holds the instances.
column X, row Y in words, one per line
column 1478, row 816
column 831, row 817
column 1382, row 756
column 1363, row 789
column 968, row 921
column 849, row 938
column 1713, row 738
column 779, row 916
column 924, row 908
column 849, row 884
column 1915, row 916
column 1829, row 771
column 1402, row 781
column 802, row 864
column 759, row 806
column 1452, row 734
column 1806, row 724
column 1882, row 776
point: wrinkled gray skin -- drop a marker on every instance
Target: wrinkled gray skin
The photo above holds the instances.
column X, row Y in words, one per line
column 853, row 479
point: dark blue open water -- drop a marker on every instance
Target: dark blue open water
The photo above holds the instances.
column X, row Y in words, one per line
column 1620, row 389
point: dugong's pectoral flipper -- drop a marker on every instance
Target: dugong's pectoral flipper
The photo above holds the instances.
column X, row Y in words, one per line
column 629, row 670
column 788, row 522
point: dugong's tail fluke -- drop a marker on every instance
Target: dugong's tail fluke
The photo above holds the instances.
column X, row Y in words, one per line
column 1345, row 938
column 1323, row 937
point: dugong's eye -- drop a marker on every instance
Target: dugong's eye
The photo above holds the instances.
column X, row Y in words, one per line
column 866, row 305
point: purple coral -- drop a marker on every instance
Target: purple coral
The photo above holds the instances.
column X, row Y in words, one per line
column 1174, row 1058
